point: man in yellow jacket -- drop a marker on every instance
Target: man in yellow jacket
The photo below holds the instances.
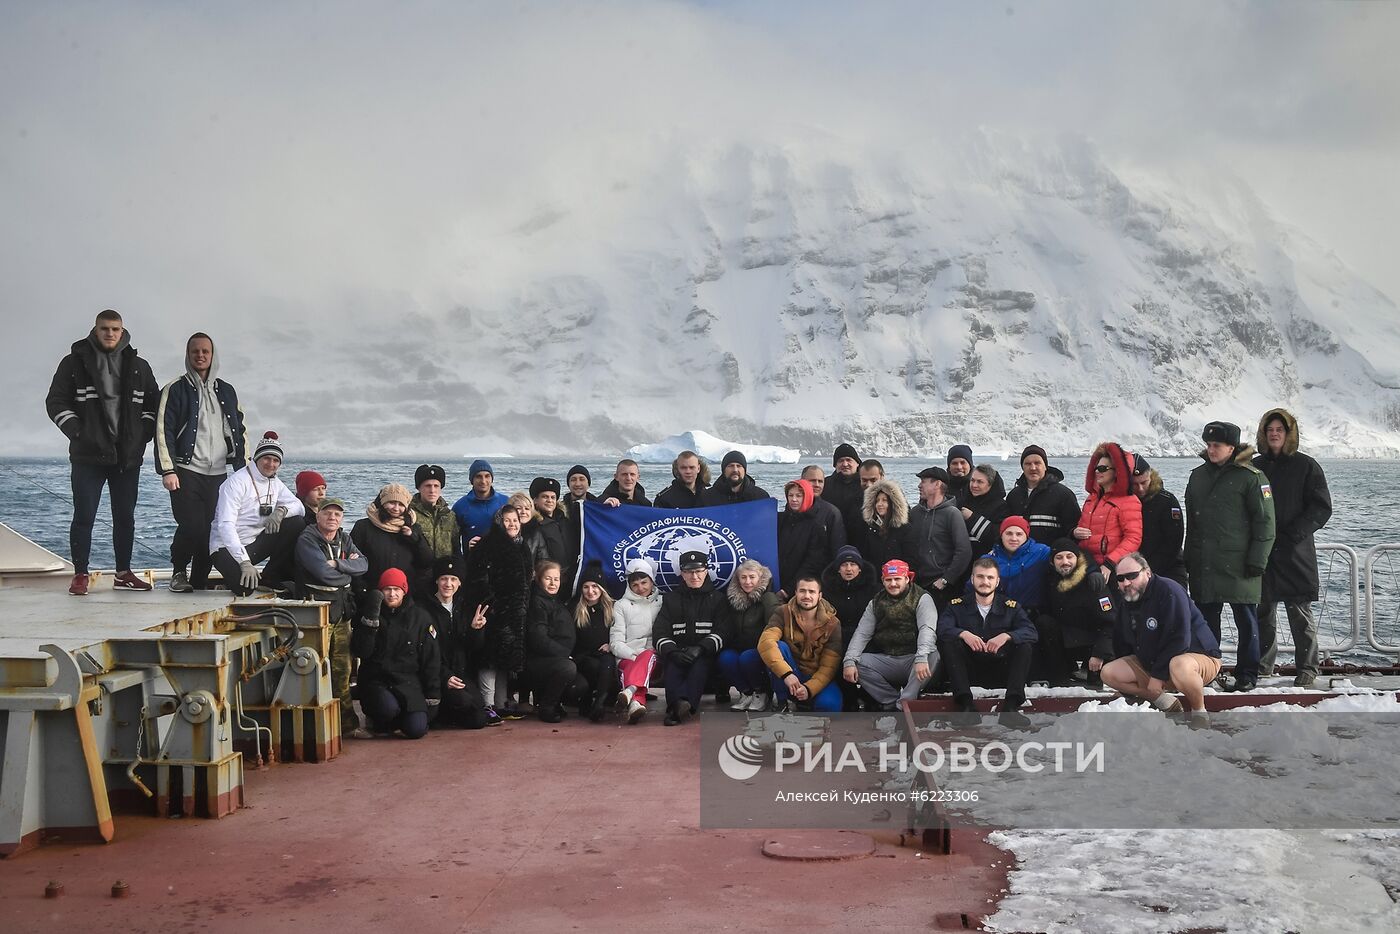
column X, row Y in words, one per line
column 802, row 648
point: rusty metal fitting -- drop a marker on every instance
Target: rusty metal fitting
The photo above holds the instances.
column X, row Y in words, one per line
column 120, row 889
column 53, row 889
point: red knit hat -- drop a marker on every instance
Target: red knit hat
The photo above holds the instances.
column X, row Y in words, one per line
column 1017, row 522
column 393, row 577
column 307, row 481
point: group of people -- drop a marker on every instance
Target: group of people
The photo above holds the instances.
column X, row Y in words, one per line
column 459, row 613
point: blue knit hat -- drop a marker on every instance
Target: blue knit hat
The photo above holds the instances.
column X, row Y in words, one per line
column 479, row 465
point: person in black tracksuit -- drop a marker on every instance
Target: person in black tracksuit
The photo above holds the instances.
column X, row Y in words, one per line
column 400, row 664
column 104, row 398
column 459, row 632
column 1006, row 630
column 550, row 637
column 689, row 632
column 849, row 596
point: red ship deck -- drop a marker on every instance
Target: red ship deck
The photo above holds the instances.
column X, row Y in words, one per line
column 525, row 827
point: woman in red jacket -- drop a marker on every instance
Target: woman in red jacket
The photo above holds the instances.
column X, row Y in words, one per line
column 1110, row 524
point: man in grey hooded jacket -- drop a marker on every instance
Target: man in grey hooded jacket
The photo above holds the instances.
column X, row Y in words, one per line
column 200, row 434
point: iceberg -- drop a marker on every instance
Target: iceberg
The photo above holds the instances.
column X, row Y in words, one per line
column 710, row 448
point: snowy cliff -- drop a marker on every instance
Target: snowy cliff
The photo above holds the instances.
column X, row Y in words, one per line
column 990, row 291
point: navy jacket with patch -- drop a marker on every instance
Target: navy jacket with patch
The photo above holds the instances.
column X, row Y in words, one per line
column 1161, row 626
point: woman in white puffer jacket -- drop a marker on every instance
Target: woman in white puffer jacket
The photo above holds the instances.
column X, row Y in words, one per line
column 630, row 636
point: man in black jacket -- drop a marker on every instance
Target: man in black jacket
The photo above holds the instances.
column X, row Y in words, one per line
column 843, row 488
column 1302, row 505
column 687, row 490
column 104, row 398
column 1163, row 525
column 625, row 490
column 1042, row 499
column 688, row 633
column 734, row 485
column 988, row 636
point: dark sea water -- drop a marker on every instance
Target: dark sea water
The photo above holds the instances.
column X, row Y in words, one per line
column 35, row 499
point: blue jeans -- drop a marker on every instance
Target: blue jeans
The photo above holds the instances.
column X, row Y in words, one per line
column 745, row 670
column 828, row 699
column 1247, row 623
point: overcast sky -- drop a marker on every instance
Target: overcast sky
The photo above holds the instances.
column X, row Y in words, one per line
column 183, row 162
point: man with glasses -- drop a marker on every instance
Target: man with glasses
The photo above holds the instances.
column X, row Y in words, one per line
column 1162, row 641
column 1229, row 535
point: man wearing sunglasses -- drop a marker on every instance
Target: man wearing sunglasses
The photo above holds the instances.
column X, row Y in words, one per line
column 1162, row 642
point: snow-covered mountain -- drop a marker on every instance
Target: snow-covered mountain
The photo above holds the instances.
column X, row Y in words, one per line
column 992, row 291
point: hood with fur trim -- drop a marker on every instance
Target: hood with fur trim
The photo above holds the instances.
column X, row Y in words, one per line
column 742, row 601
column 1290, row 426
column 1122, row 470
column 1076, row 577
column 899, row 506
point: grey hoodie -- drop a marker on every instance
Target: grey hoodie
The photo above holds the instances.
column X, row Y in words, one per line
column 211, row 447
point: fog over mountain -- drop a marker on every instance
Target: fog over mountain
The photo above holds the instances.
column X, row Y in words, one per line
column 544, row 229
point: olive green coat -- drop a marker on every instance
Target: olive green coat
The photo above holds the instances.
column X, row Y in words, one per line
column 1229, row 530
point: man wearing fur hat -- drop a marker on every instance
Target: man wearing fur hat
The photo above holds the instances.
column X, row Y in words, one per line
column 1229, row 535
column 734, row 485
column 250, row 521
column 199, row 435
column 390, row 538
column 435, row 517
column 477, row 510
column 328, row 564
column 1302, row 505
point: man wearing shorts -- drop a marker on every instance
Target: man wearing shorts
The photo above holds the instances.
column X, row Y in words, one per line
column 1162, row 642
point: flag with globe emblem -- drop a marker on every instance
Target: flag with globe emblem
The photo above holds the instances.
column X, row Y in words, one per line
column 730, row 535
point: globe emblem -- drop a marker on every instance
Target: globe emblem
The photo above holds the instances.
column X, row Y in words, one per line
column 740, row 758
column 664, row 548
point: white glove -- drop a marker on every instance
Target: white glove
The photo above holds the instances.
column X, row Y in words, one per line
column 247, row 575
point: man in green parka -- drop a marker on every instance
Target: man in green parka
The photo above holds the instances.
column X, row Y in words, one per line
column 1229, row 534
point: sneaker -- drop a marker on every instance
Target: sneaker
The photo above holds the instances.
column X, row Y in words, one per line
column 789, row 706
column 1304, row 679
column 624, row 697
column 79, row 586
column 513, row 713
column 760, row 702
column 636, row 710
column 180, row 583
column 1240, row 685
column 129, row 581
column 550, row 714
column 743, row 702
column 359, row 732
column 493, row 718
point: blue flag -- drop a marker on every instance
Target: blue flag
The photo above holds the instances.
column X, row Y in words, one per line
column 730, row 535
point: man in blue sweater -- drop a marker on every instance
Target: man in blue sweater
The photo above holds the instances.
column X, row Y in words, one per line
column 477, row 509
column 1162, row 642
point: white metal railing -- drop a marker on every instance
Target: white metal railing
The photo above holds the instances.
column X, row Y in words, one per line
column 1387, row 553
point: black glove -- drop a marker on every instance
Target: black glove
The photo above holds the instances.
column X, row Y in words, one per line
column 370, row 610
column 688, row 655
column 1253, row 570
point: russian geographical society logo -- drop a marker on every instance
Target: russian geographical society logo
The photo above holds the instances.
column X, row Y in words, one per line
column 740, row 757
column 663, row 541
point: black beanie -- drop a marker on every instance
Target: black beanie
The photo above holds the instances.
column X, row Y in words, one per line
column 1034, row 449
column 735, row 457
column 844, row 450
column 593, row 574
column 960, row 450
column 579, row 468
column 1065, row 544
